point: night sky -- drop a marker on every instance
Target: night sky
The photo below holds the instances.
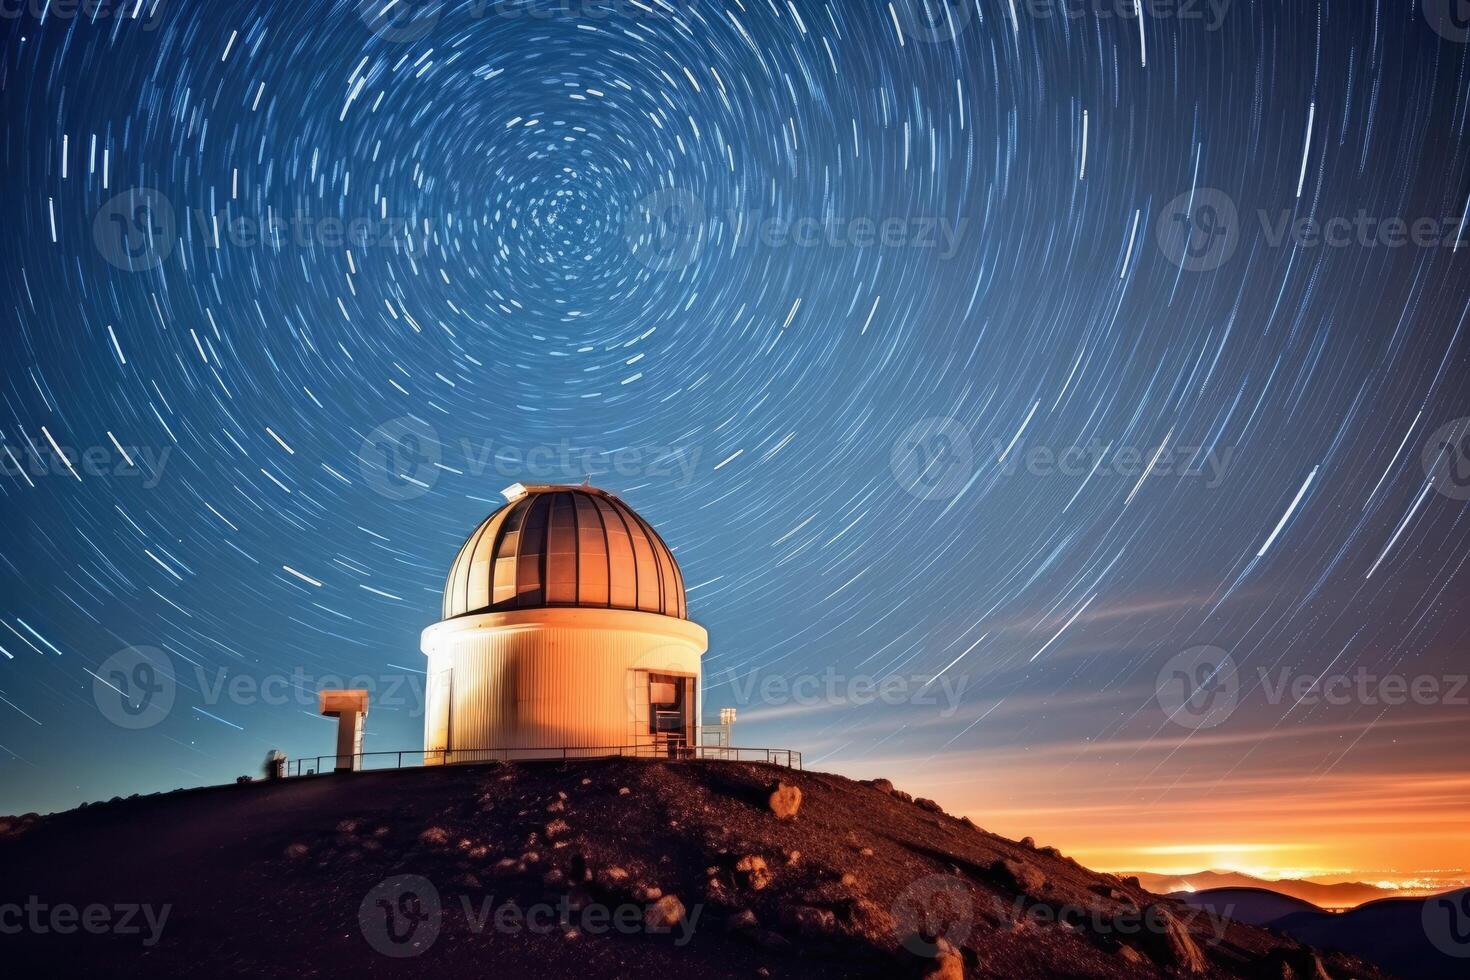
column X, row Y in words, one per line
column 1006, row 351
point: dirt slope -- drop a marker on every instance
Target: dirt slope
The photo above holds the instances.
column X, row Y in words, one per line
column 610, row 868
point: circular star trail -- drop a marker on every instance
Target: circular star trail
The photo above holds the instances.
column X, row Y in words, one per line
column 1023, row 344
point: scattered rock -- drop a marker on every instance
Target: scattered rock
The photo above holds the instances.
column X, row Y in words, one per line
column 1020, row 876
column 297, row 851
column 785, row 801
column 612, row 878
column 1299, row 964
column 742, row 921
column 793, row 856
column 623, row 791
column 557, row 828
column 1168, row 942
column 664, row 914
column 716, row 893
column 808, row 921
column 871, row 921
column 435, row 837
column 948, row 963
column 1029, row 843
column 882, row 785
column 753, row 872
column 929, row 805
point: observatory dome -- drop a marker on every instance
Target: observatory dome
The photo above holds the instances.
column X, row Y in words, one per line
column 564, row 546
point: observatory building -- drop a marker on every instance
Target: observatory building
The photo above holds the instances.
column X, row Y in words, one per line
column 564, row 627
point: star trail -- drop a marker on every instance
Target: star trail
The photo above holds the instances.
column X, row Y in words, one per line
column 1011, row 350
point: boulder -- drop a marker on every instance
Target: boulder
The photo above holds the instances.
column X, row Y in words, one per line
column 1169, row 943
column 664, row 914
column 753, row 872
column 1020, row 876
column 948, row 963
column 785, row 801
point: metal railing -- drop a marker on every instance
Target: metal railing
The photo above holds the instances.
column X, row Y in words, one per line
column 410, row 758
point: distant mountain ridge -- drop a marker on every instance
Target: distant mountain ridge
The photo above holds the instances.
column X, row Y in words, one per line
column 1414, row 938
column 1342, row 895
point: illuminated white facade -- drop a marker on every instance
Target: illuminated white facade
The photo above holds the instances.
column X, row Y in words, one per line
column 565, row 626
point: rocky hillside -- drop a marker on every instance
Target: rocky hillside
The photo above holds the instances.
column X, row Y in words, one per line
column 610, row 868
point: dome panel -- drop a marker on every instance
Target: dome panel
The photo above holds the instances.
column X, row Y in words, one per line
column 562, row 546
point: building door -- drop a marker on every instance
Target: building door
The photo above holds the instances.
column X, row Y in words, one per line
column 670, row 710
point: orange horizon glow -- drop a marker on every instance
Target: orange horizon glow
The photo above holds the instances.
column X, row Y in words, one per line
column 1382, row 803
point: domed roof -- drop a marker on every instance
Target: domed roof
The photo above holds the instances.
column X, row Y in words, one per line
column 564, row 546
